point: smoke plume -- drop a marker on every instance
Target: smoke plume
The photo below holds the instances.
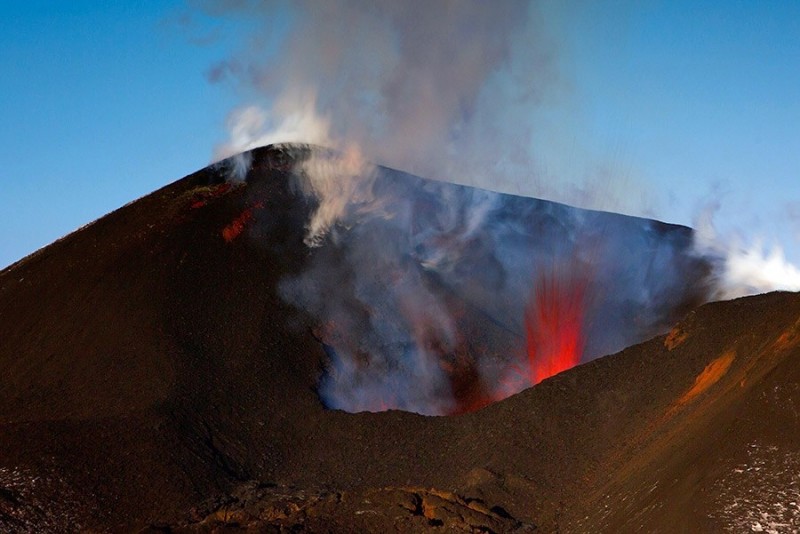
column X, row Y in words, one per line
column 428, row 296
column 441, row 89
column 742, row 269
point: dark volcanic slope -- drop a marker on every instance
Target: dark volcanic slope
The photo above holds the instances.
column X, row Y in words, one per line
column 149, row 365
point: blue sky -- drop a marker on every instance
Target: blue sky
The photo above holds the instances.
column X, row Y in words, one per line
column 699, row 100
column 102, row 102
column 681, row 103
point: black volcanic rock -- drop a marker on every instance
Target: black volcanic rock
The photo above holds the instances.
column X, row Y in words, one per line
column 154, row 374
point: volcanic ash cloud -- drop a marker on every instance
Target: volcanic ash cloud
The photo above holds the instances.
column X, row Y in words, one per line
column 440, row 89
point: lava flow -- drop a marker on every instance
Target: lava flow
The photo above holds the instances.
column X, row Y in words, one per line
column 554, row 324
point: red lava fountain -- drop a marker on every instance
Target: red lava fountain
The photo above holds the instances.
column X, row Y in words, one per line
column 554, row 324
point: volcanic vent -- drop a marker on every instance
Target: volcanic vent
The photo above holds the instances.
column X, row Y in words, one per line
column 438, row 299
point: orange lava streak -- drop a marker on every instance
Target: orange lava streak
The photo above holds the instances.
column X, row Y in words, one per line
column 237, row 226
column 232, row 231
column 554, row 324
column 710, row 376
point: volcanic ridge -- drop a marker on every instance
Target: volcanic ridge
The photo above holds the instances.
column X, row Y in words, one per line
column 318, row 345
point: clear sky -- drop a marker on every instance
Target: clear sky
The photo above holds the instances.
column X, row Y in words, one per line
column 691, row 103
column 699, row 100
column 101, row 103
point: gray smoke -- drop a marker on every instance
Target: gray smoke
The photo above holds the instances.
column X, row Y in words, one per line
column 442, row 89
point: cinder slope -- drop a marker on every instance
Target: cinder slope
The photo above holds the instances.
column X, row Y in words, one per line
column 132, row 347
column 695, row 431
column 720, row 449
column 149, row 365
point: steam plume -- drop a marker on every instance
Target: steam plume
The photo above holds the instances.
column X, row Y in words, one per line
column 740, row 269
column 435, row 88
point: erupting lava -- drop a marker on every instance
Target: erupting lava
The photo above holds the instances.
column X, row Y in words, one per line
column 555, row 340
column 554, row 324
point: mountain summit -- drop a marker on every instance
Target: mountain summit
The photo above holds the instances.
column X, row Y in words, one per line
column 247, row 348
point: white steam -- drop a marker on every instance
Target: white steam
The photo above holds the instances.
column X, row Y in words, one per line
column 740, row 269
column 293, row 120
column 341, row 182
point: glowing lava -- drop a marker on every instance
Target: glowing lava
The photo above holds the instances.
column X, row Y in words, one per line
column 554, row 324
column 237, row 226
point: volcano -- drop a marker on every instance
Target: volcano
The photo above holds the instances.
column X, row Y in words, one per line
column 249, row 354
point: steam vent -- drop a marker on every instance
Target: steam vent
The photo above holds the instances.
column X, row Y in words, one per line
column 295, row 340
